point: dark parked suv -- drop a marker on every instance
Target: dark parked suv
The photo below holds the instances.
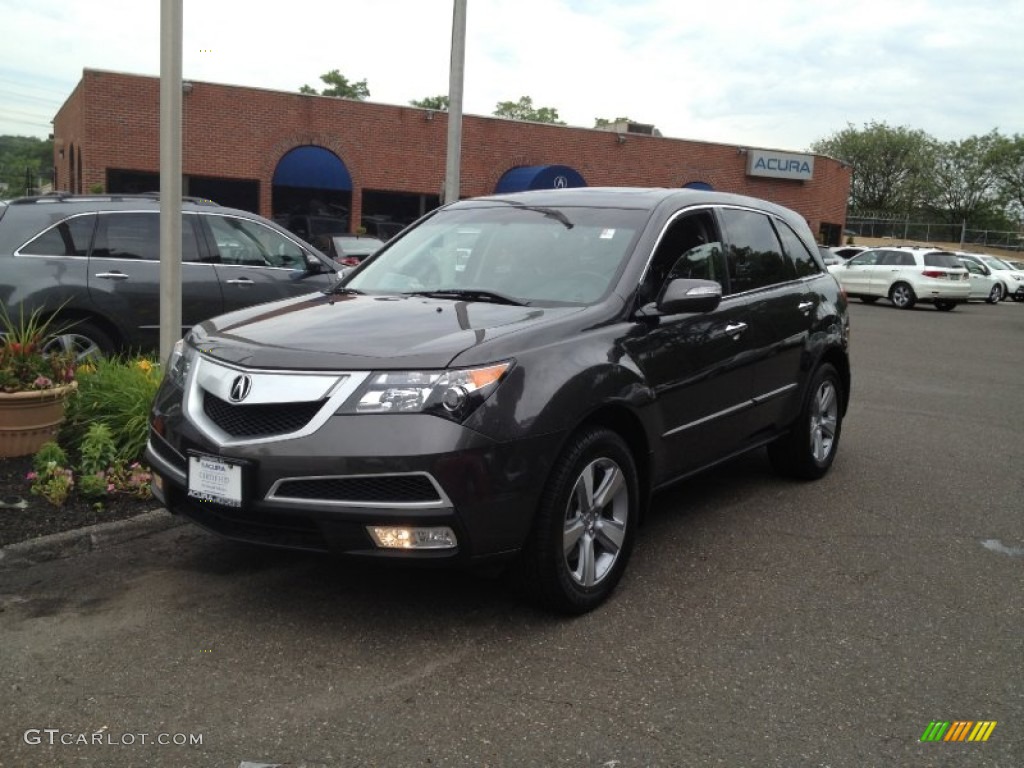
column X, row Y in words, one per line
column 97, row 257
column 508, row 381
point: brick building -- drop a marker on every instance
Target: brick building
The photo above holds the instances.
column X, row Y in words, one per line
column 276, row 152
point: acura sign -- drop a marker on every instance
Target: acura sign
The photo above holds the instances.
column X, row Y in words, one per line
column 780, row 165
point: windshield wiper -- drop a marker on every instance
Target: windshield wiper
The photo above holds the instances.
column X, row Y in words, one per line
column 551, row 213
column 470, row 294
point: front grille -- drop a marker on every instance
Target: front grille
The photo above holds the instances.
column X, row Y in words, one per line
column 260, row 419
column 371, row 489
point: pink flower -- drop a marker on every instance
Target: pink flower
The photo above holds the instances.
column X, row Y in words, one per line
column 31, row 476
column 42, row 383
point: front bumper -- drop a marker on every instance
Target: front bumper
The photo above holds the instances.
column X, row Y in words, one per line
column 318, row 487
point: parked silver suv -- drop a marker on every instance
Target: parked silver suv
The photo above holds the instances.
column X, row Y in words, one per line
column 97, row 258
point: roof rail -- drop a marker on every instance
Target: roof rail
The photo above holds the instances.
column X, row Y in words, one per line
column 115, row 197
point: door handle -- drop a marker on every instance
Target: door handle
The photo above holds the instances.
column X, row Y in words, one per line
column 735, row 329
column 805, row 306
column 111, row 275
column 240, row 281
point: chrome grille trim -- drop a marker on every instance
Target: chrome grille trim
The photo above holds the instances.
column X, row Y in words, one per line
column 442, row 500
column 268, row 388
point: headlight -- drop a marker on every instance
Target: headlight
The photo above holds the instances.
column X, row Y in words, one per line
column 451, row 394
column 180, row 363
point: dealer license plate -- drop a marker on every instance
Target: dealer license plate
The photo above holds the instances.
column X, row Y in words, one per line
column 214, row 479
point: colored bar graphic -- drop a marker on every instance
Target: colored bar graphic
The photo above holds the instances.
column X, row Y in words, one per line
column 935, row 731
column 958, row 730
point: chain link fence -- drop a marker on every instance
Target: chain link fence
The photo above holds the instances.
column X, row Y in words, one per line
column 904, row 229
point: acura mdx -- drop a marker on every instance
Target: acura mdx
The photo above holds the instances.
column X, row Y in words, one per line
column 508, row 382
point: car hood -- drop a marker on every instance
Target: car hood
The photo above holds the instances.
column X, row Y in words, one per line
column 358, row 332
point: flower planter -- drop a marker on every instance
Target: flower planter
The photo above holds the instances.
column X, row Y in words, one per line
column 29, row 419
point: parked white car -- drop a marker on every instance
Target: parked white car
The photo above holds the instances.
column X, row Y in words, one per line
column 1010, row 279
column 984, row 284
column 905, row 276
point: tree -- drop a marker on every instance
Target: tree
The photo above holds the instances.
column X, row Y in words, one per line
column 965, row 179
column 1008, row 163
column 892, row 167
column 524, row 110
column 24, row 160
column 439, row 103
column 339, row 86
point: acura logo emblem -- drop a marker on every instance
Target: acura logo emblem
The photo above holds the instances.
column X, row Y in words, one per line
column 240, row 388
column 561, row 182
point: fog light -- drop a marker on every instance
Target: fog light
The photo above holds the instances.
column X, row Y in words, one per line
column 400, row 537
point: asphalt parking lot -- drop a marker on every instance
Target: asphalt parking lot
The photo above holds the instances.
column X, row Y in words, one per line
column 761, row 622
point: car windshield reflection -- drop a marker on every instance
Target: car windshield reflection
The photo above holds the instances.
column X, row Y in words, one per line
column 562, row 256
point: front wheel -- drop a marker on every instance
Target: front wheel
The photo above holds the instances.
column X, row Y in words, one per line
column 809, row 449
column 996, row 294
column 583, row 532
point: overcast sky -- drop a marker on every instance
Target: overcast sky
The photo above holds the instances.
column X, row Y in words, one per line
column 767, row 73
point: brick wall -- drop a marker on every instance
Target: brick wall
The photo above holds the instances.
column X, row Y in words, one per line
column 242, row 133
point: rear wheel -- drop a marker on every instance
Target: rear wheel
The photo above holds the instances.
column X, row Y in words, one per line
column 902, row 296
column 809, row 449
column 996, row 294
column 945, row 306
column 583, row 532
column 84, row 338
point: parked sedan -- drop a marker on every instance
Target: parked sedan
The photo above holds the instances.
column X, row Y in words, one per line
column 984, row 285
column 905, row 276
column 1010, row 279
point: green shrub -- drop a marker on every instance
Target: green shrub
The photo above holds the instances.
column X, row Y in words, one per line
column 97, row 451
column 118, row 393
column 93, row 486
column 49, row 454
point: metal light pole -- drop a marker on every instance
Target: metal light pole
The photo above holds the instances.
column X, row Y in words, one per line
column 170, row 175
column 453, row 164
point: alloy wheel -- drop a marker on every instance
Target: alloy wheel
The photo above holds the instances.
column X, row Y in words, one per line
column 595, row 522
column 824, row 418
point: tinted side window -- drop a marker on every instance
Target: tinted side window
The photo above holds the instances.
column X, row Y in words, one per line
column 689, row 248
column 801, row 258
column 245, row 242
column 69, row 238
column 137, row 236
column 865, row 259
column 753, row 251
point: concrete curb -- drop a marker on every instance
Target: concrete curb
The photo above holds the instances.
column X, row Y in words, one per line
column 88, row 539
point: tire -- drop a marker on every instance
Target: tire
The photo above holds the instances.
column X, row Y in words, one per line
column 996, row 294
column 578, row 550
column 869, row 299
column 945, row 306
column 902, row 296
column 85, row 338
column 1005, row 292
column 808, row 450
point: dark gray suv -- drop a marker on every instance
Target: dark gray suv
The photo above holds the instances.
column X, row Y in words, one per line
column 97, row 257
column 518, row 374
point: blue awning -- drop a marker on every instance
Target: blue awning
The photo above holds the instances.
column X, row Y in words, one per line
column 539, row 177
column 698, row 185
column 313, row 167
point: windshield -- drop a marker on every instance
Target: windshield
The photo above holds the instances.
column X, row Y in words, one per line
column 534, row 255
column 995, row 263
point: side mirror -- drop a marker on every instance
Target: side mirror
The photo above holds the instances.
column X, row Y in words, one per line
column 689, row 296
